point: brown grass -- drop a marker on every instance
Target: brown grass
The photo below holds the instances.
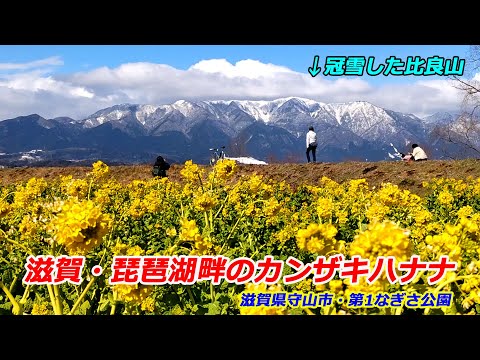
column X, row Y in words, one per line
column 408, row 175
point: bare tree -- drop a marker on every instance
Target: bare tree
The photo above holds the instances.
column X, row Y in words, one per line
column 464, row 133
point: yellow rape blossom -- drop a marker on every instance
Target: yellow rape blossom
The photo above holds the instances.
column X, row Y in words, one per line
column 382, row 239
column 445, row 198
column 192, row 172
column 41, row 309
column 134, row 294
column 148, row 304
column 223, row 170
column 317, row 238
column 100, row 170
column 188, row 230
column 205, row 201
column 171, row 231
column 79, row 226
column 325, row 207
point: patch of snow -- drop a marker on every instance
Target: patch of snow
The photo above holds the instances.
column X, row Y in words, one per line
column 247, row 160
column 27, row 157
column 144, row 111
column 186, row 108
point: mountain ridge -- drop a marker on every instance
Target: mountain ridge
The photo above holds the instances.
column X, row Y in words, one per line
column 186, row 129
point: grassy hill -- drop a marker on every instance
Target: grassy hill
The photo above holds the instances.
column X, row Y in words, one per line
column 407, row 175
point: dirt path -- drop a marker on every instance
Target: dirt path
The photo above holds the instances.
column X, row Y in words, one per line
column 408, row 175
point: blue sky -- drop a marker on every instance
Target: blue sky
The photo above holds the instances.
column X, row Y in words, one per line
column 77, row 80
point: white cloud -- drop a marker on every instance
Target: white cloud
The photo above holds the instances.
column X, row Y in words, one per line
column 34, row 82
column 50, row 61
column 81, row 94
column 251, row 69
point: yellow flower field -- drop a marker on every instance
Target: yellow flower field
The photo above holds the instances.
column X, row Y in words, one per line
column 208, row 217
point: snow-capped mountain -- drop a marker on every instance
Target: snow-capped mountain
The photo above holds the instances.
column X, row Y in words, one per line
column 440, row 118
column 359, row 120
column 266, row 130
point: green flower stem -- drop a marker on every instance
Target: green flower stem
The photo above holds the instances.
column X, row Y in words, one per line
column 53, row 300
column 235, row 225
column 77, row 303
column 107, row 246
column 211, row 220
column 23, row 300
column 329, row 310
column 89, row 189
column 201, row 182
column 213, row 178
column 14, row 281
column 189, row 291
column 16, row 306
column 8, row 194
column 114, row 222
column 240, row 218
column 27, row 250
column 114, row 306
column 6, row 261
column 103, row 255
column 58, row 298
column 222, row 206
column 212, row 292
column 257, row 251
column 207, row 225
column 308, row 311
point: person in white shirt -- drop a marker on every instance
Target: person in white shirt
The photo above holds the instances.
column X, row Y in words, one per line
column 311, row 144
column 418, row 153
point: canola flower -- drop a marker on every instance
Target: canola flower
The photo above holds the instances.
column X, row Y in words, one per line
column 317, row 238
column 74, row 187
column 192, row 172
column 79, row 226
column 379, row 239
column 135, row 294
column 41, row 309
column 205, row 201
column 126, row 250
column 148, row 304
column 222, row 171
column 249, row 217
column 325, row 207
column 190, row 232
column 25, row 195
column 100, row 170
column 382, row 239
column 171, row 231
column 4, row 208
column 445, row 198
column 29, row 228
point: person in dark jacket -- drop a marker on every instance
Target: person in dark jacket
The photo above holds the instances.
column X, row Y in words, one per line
column 160, row 167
